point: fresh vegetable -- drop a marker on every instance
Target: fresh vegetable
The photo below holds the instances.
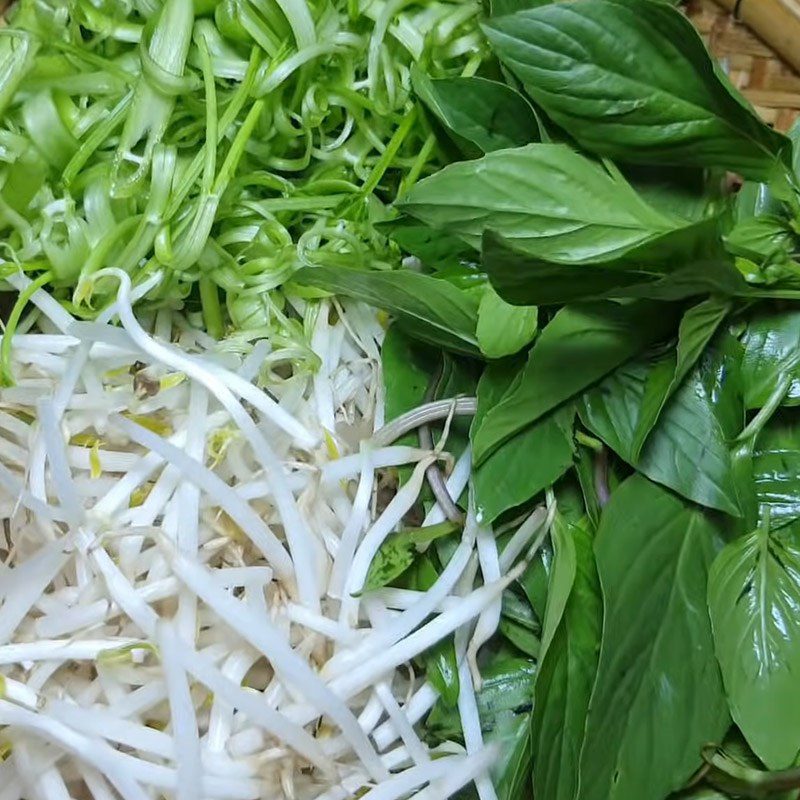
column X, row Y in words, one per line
column 538, row 537
column 656, row 396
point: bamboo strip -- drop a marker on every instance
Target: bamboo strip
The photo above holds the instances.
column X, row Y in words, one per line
column 777, row 22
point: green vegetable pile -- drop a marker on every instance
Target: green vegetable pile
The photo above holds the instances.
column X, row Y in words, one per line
column 223, row 143
column 609, row 264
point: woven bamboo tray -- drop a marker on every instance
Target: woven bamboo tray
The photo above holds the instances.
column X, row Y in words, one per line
column 753, row 63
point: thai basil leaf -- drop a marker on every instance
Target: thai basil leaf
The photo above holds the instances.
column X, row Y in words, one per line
column 687, row 451
column 562, row 578
column 698, row 326
column 433, row 248
column 775, row 471
column 406, row 367
column 500, row 8
column 428, row 309
column 678, row 109
column 771, row 356
column 545, row 198
column 441, row 665
column 526, row 464
column 520, row 625
column 536, row 579
column 581, row 345
column 489, row 114
column 678, row 192
column 658, row 695
column 753, row 598
column 398, row 552
column 565, row 679
column 646, row 271
column 504, row 706
column 760, row 237
column 503, row 329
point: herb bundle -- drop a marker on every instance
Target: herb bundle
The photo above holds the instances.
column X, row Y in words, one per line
column 610, row 266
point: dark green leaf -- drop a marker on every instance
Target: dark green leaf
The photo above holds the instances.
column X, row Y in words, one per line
column 441, row 666
column 489, row 114
column 677, row 107
column 397, row 553
column 759, row 237
column 406, row 368
column 428, row 309
column 754, row 597
column 562, row 577
column 698, row 326
column 527, row 463
column 565, row 679
column 678, row 192
column 585, row 471
column 682, row 263
column 536, row 578
column 433, row 248
column 577, row 348
column 546, row 199
column 687, row 451
column 775, row 470
column 504, row 702
column 520, row 625
column 503, row 329
column 658, row 696
column 771, row 354
column 500, row 8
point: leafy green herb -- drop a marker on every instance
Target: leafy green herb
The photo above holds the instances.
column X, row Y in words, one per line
column 491, row 115
column 688, row 451
column 698, row 326
column 592, row 339
column 775, row 469
column 658, row 696
column 753, row 596
column 771, row 356
column 565, row 679
column 397, row 553
column 679, row 109
column 427, row 308
column 527, row 463
column 503, row 330
column 545, row 198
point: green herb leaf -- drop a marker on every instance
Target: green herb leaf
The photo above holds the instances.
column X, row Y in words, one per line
column 682, row 263
column 546, row 199
column 429, row 309
column 397, row 553
column 489, row 114
column 520, row 625
column 658, row 695
column 688, row 449
column 406, row 369
column 441, row 666
column 753, row 597
column 527, row 463
column 698, row 326
column 771, row 356
column 760, row 237
column 591, row 340
column 433, row 248
column 565, row 679
column 678, row 109
column 562, row 578
column 775, row 470
column 503, row 329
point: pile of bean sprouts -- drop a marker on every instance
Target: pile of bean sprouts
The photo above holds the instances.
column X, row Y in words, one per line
column 187, row 526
